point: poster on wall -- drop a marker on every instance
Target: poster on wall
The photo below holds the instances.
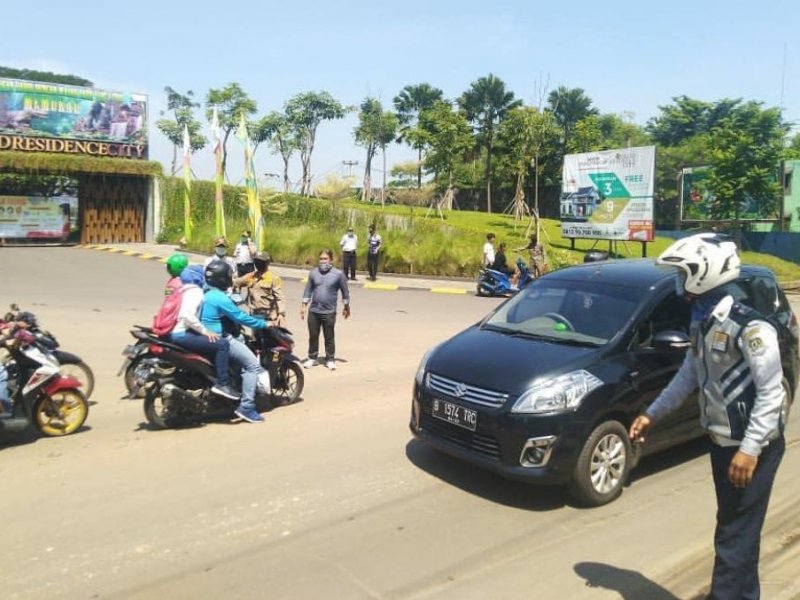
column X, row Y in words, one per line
column 52, row 113
column 36, row 217
column 609, row 194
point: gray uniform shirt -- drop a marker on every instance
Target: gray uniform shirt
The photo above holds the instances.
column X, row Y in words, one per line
column 736, row 364
column 322, row 290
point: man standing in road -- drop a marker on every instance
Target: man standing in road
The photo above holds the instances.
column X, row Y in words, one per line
column 374, row 243
column 349, row 243
column 324, row 284
column 735, row 362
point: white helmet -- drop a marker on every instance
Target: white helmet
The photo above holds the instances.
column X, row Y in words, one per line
column 705, row 261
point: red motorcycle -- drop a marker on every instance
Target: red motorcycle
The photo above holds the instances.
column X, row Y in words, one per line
column 41, row 395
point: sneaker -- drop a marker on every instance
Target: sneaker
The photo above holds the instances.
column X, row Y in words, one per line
column 250, row 416
column 331, row 365
column 310, row 362
column 226, row 391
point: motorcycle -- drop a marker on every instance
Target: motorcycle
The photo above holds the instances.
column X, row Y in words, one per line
column 41, row 395
column 69, row 364
column 135, row 355
column 177, row 382
column 496, row 283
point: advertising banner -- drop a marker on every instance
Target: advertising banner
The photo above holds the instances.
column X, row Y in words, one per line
column 47, row 117
column 697, row 200
column 36, row 217
column 609, row 194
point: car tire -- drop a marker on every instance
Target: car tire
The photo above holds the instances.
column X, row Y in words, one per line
column 603, row 465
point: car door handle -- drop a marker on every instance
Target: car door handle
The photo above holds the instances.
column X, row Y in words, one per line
column 633, row 378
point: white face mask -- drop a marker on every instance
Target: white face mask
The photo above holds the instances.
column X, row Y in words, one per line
column 219, row 251
column 325, row 266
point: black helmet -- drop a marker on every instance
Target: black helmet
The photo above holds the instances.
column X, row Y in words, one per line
column 262, row 260
column 218, row 274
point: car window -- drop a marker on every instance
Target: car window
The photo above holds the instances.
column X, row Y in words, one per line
column 671, row 313
column 568, row 310
column 765, row 295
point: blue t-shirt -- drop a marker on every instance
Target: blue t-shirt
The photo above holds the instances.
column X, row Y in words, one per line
column 216, row 306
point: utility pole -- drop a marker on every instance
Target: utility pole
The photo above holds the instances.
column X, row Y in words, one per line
column 350, row 164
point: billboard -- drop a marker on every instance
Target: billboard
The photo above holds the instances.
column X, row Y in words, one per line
column 697, row 201
column 36, row 217
column 609, row 194
column 48, row 117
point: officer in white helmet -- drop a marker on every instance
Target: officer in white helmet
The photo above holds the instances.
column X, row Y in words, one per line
column 735, row 363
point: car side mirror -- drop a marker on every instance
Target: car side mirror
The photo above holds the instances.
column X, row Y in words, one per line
column 671, row 339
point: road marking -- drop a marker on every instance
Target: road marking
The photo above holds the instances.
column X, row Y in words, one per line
column 381, row 286
column 448, row 291
column 130, row 253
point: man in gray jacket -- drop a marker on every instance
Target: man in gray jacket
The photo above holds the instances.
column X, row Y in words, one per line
column 735, row 362
column 322, row 294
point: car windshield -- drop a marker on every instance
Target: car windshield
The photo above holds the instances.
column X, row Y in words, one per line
column 564, row 311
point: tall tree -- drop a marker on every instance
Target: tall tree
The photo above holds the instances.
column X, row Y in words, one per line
column 687, row 117
column 409, row 103
column 604, row 132
column 182, row 107
column 446, row 136
column 376, row 129
column 569, row 105
column 231, row 103
column 485, row 104
column 305, row 112
column 278, row 131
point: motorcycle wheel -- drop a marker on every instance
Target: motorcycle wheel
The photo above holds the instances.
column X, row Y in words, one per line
column 60, row 414
column 156, row 412
column 289, row 384
column 83, row 373
column 130, row 382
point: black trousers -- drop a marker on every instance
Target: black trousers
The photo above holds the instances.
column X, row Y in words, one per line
column 740, row 517
column 244, row 268
column 372, row 265
column 326, row 322
column 349, row 264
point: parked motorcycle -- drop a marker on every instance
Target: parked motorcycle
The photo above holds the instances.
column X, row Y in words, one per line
column 41, row 395
column 177, row 382
column 496, row 283
column 69, row 364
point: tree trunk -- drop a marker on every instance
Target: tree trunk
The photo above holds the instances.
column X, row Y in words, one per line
column 366, row 190
column 489, row 174
column 383, row 186
column 285, row 174
column 174, row 158
column 419, row 168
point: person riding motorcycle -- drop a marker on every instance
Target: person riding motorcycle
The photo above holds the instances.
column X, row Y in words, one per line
column 190, row 333
column 265, row 290
column 175, row 266
column 220, row 315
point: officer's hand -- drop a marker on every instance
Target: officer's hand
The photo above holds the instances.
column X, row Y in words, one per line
column 639, row 428
column 346, row 311
column 302, row 311
column 741, row 469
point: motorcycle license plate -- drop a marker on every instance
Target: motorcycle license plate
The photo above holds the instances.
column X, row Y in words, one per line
column 454, row 414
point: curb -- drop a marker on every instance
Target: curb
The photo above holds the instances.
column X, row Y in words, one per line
column 368, row 285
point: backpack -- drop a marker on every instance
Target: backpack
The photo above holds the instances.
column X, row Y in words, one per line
column 167, row 316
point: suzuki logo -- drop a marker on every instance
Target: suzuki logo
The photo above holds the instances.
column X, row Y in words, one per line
column 460, row 390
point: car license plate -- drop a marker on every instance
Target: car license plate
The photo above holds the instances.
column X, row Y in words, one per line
column 455, row 414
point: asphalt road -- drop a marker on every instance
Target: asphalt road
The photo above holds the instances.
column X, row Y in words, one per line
column 329, row 498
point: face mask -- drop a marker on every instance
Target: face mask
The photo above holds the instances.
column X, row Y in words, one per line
column 244, row 240
column 324, row 267
column 219, row 252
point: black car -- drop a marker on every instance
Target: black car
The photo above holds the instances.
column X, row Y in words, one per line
column 544, row 388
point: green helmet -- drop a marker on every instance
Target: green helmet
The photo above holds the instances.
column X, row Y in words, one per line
column 176, row 264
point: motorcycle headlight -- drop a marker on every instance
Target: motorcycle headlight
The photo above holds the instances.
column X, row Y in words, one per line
column 558, row 394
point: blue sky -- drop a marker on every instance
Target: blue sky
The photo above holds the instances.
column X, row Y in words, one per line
column 629, row 57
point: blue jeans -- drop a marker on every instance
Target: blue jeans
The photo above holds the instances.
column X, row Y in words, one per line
column 201, row 344
column 4, row 387
column 242, row 356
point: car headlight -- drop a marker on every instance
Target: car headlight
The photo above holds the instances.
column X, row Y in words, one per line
column 423, row 363
column 558, row 394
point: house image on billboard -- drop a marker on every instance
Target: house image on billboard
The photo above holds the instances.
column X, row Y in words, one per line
column 579, row 205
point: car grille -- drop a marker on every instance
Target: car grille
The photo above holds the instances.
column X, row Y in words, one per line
column 462, row 391
column 484, row 445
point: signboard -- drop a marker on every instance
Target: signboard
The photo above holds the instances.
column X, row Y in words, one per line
column 609, row 194
column 47, row 117
column 697, row 200
column 36, row 217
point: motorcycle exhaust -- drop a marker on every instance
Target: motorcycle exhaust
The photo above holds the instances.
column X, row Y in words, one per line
column 191, row 398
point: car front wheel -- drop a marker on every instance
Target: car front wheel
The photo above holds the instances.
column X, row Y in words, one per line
column 603, row 465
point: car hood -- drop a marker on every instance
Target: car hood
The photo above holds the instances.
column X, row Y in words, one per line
column 493, row 360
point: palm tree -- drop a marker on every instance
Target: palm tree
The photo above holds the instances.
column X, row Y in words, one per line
column 569, row 105
column 486, row 103
column 409, row 103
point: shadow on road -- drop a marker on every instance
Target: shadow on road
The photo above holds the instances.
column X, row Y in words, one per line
column 651, row 465
column 631, row 585
column 483, row 483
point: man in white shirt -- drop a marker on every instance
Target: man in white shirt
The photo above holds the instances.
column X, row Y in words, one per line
column 349, row 243
column 488, row 251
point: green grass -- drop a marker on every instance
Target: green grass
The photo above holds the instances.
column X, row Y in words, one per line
column 428, row 245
